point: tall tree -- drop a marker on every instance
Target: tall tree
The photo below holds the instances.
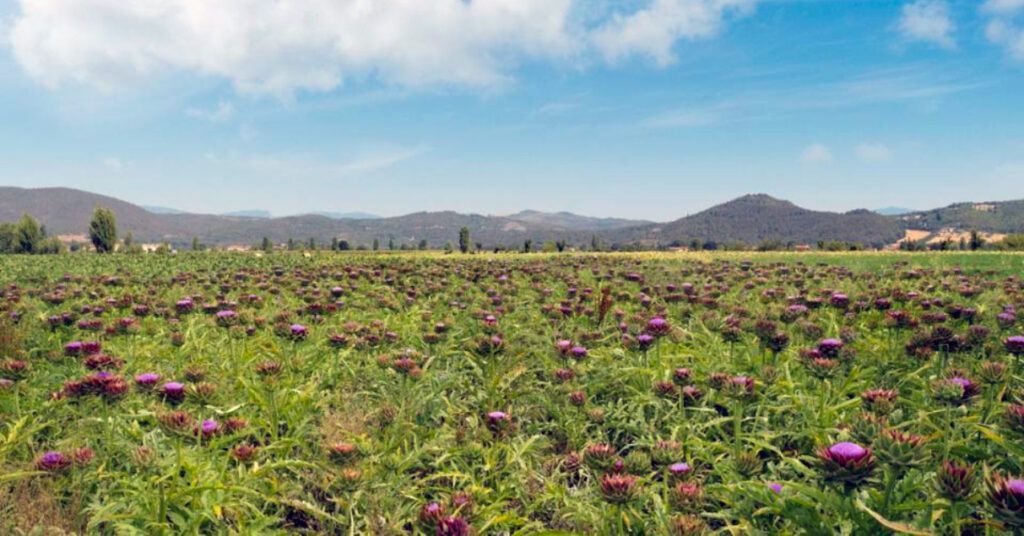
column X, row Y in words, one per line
column 267, row 246
column 103, row 230
column 976, row 242
column 376, row 244
column 464, row 243
column 28, row 234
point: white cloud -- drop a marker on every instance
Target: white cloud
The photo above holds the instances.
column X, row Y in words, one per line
column 313, row 167
column 222, row 112
column 873, row 152
column 1003, row 32
column 928, row 21
column 113, row 163
column 654, row 30
column 816, row 153
column 1004, row 7
column 281, row 48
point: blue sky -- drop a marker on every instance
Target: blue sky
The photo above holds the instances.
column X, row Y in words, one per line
column 649, row 108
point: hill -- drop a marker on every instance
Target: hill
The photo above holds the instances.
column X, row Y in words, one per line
column 990, row 216
column 573, row 222
column 753, row 219
column 750, row 219
column 66, row 211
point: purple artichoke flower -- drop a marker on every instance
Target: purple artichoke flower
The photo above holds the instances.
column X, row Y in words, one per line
column 1015, row 345
column 1006, row 496
column 830, row 347
column 173, row 391
column 209, row 427
column 680, row 469
column 53, row 461
column 658, row 326
column 147, row 379
column 846, row 462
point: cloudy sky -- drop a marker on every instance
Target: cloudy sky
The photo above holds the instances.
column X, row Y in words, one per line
column 633, row 108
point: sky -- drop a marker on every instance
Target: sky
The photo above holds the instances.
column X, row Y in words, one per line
column 650, row 109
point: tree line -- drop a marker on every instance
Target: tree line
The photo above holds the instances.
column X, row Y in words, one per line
column 28, row 237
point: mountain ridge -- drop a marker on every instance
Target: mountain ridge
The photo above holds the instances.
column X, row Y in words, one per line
column 750, row 219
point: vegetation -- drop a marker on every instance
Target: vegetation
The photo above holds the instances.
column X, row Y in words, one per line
column 749, row 220
column 464, row 243
column 27, row 237
column 992, row 217
column 103, row 230
column 771, row 393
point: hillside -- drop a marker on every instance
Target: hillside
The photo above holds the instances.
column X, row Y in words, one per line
column 573, row 222
column 992, row 217
column 68, row 211
column 752, row 219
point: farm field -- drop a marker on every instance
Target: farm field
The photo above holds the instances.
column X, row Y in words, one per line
column 651, row 393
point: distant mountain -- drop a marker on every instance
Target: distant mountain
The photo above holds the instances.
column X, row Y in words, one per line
column 261, row 214
column 162, row 210
column 893, row 211
column 347, row 215
column 988, row 216
column 573, row 222
column 750, row 219
column 753, row 219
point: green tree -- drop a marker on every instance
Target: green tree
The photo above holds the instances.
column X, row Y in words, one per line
column 50, row 246
column 103, row 230
column 1013, row 242
column 376, row 244
column 527, row 245
column 196, row 245
column 391, row 244
column 8, row 238
column 267, row 246
column 464, row 243
column 976, row 242
column 28, row 234
column 334, row 243
column 423, row 244
column 343, row 245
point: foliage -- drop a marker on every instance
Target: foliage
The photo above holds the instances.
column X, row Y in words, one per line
column 574, row 393
column 103, row 230
column 464, row 243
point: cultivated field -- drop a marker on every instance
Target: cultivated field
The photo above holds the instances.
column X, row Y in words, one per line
column 496, row 394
